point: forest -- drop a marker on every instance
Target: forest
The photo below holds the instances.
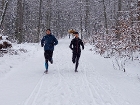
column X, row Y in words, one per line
column 111, row 26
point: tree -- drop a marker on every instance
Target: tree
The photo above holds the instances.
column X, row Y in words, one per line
column 39, row 21
column 19, row 22
column 27, row 20
column 105, row 16
column 48, row 13
column 3, row 11
column 139, row 10
column 118, row 19
column 87, row 18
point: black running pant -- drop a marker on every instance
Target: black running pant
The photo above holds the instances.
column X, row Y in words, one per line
column 48, row 55
column 75, row 59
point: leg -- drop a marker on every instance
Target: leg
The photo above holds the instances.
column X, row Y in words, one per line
column 46, row 55
column 73, row 57
column 46, row 66
column 50, row 57
column 77, row 61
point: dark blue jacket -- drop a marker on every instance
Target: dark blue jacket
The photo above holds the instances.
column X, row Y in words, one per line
column 48, row 41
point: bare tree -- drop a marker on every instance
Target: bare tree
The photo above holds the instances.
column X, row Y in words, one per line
column 48, row 13
column 39, row 21
column 105, row 16
column 87, row 18
column 139, row 10
column 19, row 22
column 118, row 19
column 3, row 11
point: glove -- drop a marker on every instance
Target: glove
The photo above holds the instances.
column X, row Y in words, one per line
column 71, row 48
column 42, row 45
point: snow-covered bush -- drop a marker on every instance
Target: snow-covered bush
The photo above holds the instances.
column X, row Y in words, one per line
column 127, row 47
column 4, row 42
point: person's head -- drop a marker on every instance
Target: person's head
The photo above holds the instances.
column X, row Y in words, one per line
column 48, row 31
column 76, row 34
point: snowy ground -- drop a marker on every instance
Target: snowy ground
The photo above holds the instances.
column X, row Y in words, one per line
column 22, row 81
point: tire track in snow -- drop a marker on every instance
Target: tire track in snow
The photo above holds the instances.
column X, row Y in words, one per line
column 51, row 91
column 77, row 82
column 33, row 96
column 100, row 91
column 108, row 89
column 95, row 95
column 67, row 89
column 89, row 88
column 38, row 91
column 42, row 98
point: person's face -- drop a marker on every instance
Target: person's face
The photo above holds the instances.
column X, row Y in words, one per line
column 76, row 35
column 48, row 32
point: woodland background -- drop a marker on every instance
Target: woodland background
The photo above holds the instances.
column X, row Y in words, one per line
column 111, row 26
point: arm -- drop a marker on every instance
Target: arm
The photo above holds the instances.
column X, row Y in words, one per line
column 71, row 45
column 82, row 44
column 42, row 41
column 55, row 41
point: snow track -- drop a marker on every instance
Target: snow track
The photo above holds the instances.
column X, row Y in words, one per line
column 104, row 93
column 33, row 96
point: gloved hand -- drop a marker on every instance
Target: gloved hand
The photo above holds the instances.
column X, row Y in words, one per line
column 71, row 48
column 42, row 45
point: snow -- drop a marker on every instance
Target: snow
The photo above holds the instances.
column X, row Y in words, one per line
column 1, row 42
column 22, row 81
column 4, row 37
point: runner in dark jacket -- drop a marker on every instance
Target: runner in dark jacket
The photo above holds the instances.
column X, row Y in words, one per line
column 75, row 47
column 48, row 41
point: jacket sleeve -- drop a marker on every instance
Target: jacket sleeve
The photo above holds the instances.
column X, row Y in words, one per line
column 42, row 41
column 82, row 44
column 55, row 41
column 71, row 45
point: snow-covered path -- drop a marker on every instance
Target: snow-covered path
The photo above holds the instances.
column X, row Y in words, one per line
column 96, row 83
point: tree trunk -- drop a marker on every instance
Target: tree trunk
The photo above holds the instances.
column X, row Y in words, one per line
column 105, row 17
column 118, row 34
column 119, row 5
column 39, row 22
column 19, row 22
column 138, row 11
column 81, row 20
column 87, row 23
column 48, row 14
column 4, row 8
